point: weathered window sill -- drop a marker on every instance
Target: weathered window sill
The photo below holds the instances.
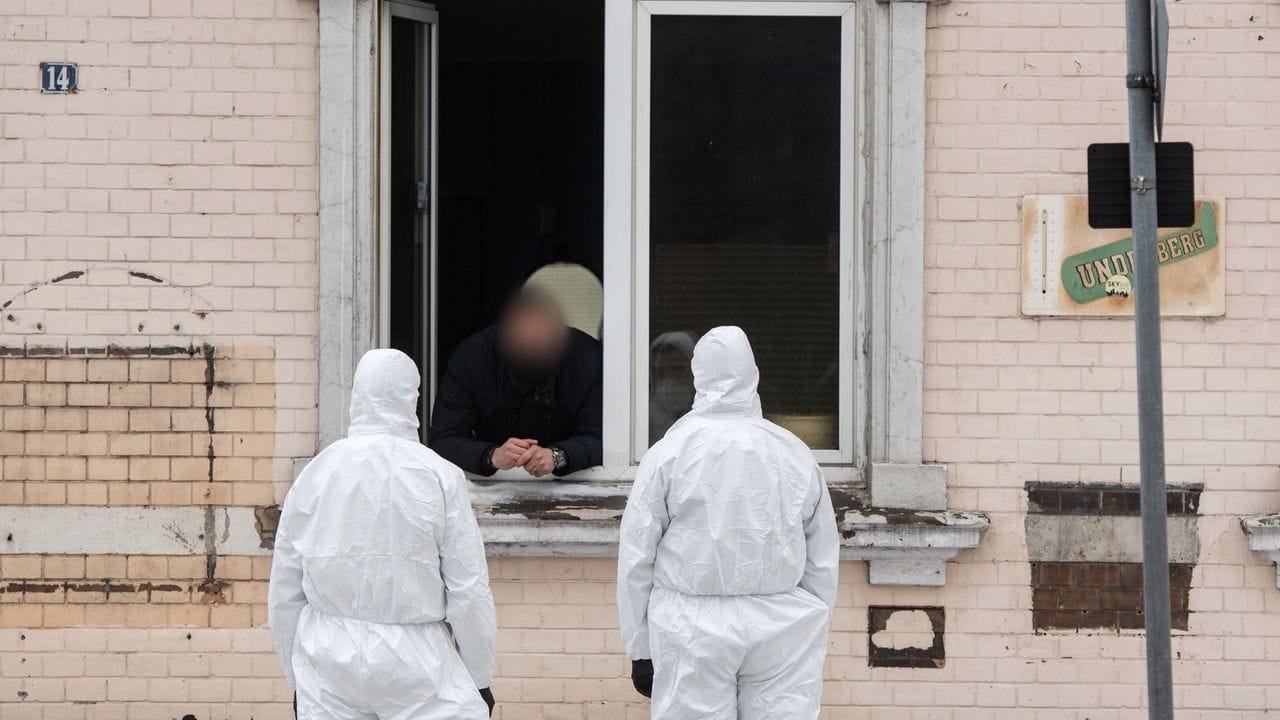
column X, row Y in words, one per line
column 549, row 518
column 909, row 547
column 580, row 519
column 1264, row 537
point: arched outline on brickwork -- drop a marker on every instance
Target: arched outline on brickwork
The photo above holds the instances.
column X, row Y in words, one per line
column 200, row 308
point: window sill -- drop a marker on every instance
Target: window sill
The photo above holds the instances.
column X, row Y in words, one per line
column 909, row 547
column 570, row 518
column 1264, row 537
column 622, row 476
column 549, row 518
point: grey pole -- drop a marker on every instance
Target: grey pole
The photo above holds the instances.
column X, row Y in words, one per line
column 1146, row 296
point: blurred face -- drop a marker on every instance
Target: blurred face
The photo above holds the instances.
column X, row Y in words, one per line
column 533, row 339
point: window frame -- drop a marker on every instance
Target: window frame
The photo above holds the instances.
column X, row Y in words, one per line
column 891, row 107
column 849, row 406
column 424, row 14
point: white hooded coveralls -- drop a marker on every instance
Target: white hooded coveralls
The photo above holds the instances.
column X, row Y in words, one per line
column 728, row 557
column 377, row 549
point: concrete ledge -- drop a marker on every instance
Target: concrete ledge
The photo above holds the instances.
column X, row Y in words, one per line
column 909, row 548
column 1264, row 537
column 81, row 530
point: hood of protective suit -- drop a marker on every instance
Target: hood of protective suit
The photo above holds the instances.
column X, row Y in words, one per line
column 384, row 395
column 725, row 374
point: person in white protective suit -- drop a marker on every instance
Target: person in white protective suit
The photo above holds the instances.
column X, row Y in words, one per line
column 728, row 556
column 379, row 601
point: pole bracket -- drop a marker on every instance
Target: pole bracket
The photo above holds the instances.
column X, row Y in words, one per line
column 1140, row 80
column 1142, row 184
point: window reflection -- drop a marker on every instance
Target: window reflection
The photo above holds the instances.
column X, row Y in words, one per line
column 744, row 203
column 670, row 381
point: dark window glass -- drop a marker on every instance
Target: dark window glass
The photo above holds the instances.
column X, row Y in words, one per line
column 744, row 208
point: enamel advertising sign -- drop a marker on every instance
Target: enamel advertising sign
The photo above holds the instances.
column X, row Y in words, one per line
column 1071, row 269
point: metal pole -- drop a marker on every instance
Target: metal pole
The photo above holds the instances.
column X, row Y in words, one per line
column 1146, row 294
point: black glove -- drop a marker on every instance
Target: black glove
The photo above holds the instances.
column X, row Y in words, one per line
column 487, row 695
column 642, row 677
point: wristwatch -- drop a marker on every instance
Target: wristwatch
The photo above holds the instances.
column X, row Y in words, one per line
column 559, row 458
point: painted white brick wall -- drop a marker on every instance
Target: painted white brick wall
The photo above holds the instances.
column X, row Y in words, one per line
column 190, row 154
column 560, row 657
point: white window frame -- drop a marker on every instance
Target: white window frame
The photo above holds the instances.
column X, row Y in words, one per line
column 423, row 13
column 619, row 244
column 848, row 432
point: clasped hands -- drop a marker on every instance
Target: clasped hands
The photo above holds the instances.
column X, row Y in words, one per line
column 525, row 453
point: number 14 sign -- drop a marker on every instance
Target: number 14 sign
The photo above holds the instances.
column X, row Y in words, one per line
column 58, row 77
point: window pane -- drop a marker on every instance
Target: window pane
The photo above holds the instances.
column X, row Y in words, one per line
column 744, row 208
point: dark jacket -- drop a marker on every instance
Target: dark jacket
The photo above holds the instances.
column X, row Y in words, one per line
column 480, row 406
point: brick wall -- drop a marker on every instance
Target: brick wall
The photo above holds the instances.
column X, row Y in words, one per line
column 146, row 426
column 138, row 591
column 560, row 657
column 180, row 185
column 158, row 243
column 1084, row 543
column 1016, row 91
column 1100, row 595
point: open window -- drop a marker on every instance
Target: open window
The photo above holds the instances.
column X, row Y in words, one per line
column 733, row 126
column 492, row 157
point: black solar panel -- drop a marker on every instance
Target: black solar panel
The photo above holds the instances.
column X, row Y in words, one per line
column 1109, row 185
